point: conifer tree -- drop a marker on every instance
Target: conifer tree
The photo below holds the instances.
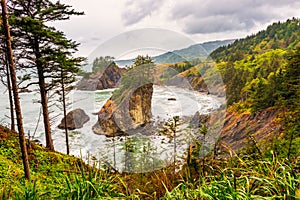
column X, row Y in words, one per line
column 22, row 140
column 5, row 77
column 44, row 43
column 292, row 81
column 68, row 69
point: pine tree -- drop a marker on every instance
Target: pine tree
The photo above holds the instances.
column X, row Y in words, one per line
column 5, row 77
column 22, row 140
column 68, row 69
column 293, row 76
column 292, row 82
column 44, row 43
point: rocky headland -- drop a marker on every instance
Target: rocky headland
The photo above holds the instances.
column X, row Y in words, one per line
column 125, row 113
column 109, row 78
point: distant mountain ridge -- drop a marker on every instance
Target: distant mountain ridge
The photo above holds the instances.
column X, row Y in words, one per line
column 189, row 53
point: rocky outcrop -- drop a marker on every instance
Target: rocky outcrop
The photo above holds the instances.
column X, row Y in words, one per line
column 75, row 119
column 140, row 104
column 190, row 77
column 262, row 126
column 200, row 78
column 237, row 130
column 122, row 115
column 98, row 80
column 110, row 77
column 106, row 124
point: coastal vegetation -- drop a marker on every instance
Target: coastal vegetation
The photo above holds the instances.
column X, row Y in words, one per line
column 261, row 76
column 247, row 175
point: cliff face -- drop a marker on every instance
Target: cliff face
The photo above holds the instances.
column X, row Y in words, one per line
column 238, row 128
column 201, row 78
column 126, row 113
column 262, row 126
column 98, row 80
column 110, row 77
column 140, row 104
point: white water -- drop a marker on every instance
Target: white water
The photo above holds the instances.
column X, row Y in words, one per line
column 83, row 142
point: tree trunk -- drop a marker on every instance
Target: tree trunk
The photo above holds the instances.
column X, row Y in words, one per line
column 44, row 99
column 44, row 102
column 15, row 91
column 65, row 112
column 11, row 102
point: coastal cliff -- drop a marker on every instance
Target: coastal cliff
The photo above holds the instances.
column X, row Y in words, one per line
column 125, row 113
column 109, row 78
column 261, row 127
column 240, row 130
column 201, row 78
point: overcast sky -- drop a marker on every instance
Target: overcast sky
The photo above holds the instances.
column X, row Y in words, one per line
column 198, row 20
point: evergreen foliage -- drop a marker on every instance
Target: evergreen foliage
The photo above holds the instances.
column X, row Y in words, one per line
column 101, row 63
column 47, row 51
column 254, row 68
column 263, row 71
column 280, row 35
column 137, row 75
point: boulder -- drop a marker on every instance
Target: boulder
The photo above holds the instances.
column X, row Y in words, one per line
column 75, row 119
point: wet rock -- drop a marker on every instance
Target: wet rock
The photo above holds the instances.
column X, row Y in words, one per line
column 171, row 99
column 75, row 119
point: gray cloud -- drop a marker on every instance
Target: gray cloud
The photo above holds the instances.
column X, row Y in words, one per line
column 137, row 10
column 215, row 24
column 228, row 15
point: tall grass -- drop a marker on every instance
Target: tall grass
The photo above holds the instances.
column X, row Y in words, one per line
column 89, row 185
column 58, row 176
column 234, row 178
column 242, row 179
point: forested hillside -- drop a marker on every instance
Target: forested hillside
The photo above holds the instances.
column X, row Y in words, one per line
column 280, row 35
column 260, row 62
column 193, row 53
column 262, row 71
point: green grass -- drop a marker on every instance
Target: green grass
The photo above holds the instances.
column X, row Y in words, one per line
column 243, row 179
column 58, row 176
column 53, row 175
